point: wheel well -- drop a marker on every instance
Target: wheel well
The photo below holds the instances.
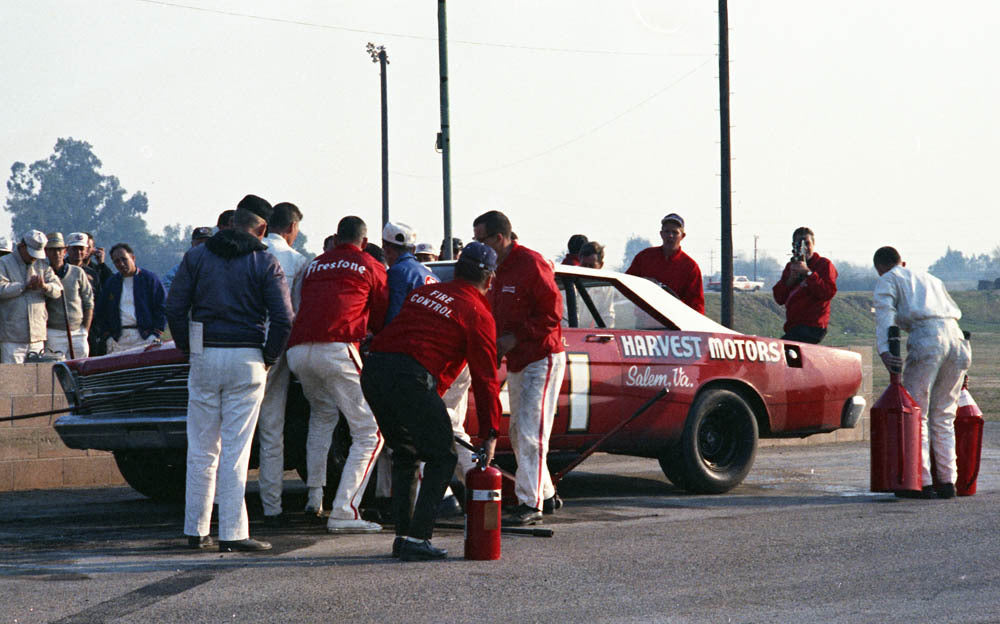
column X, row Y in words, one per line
column 749, row 395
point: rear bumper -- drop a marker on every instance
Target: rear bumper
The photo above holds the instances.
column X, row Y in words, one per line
column 113, row 434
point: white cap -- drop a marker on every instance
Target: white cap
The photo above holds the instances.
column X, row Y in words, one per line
column 76, row 239
column 35, row 241
column 400, row 234
column 426, row 248
column 5, row 244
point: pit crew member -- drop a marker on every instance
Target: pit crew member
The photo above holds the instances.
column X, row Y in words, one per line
column 669, row 266
column 806, row 287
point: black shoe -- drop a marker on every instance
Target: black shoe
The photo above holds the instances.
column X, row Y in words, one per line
column 926, row 493
column 244, row 545
column 195, row 542
column 523, row 515
column 945, row 490
column 420, row 551
column 276, row 521
column 549, row 505
column 396, row 545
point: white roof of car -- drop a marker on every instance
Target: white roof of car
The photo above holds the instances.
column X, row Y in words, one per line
column 679, row 313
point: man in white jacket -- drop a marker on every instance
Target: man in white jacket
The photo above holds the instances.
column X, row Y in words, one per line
column 25, row 283
column 937, row 357
column 282, row 230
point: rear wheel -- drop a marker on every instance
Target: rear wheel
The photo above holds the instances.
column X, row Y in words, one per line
column 718, row 445
column 156, row 473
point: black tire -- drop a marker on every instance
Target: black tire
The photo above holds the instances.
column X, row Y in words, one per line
column 158, row 474
column 673, row 467
column 719, row 443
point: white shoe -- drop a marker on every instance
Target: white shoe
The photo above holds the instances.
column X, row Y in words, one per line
column 314, row 504
column 339, row 525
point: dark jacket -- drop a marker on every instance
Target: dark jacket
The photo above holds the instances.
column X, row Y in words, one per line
column 148, row 294
column 231, row 285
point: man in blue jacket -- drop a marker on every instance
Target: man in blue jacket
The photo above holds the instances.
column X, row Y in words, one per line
column 130, row 308
column 405, row 271
column 230, row 286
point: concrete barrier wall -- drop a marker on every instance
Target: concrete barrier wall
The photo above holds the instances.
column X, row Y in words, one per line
column 31, row 454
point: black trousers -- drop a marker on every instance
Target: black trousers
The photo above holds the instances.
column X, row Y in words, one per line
column 416, row 426
column 805, row 333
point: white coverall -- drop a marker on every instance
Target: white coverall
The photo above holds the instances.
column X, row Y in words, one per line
column 271, row 428
column 330, row 374
column 225, row 388
column 937, row 358
column 534, row 391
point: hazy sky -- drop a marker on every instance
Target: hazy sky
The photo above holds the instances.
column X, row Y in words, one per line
column 867, row 121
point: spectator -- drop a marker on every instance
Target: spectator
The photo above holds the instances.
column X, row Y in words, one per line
column 806, row 287
column 372, row 250
column 405, row 272
column 198, row 236
column 224, row 291
column 425, row 252
column 282, row 230
column 131, row 306
column 527, row 309
column 331, row 241
column 72, row 313
column 5, row 247
column 456, row 248
column 603, row 297
column 670, row 267
column 24, row 286
column 226, row 220
column 573, row 246
column 343, row 296
column 100, row 275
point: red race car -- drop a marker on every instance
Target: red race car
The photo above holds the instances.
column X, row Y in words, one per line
column 626, row 340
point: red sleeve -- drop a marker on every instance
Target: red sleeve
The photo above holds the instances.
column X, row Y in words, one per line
column 822, row 284
column 636, row 267
column 781, row 289
column 481, row 353
column 695, row 291
column 378, row 300
column 546, row 312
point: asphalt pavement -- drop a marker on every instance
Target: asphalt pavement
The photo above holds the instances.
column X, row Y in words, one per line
column 802, row 540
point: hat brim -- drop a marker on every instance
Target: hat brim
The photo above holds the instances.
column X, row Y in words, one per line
column 37, row 254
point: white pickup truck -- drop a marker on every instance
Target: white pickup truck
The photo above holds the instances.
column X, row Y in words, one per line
column 740, row 282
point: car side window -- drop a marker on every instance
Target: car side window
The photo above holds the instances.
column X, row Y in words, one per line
column 599, row 303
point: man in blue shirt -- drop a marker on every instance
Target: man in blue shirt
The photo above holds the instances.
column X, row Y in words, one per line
column 405, row 271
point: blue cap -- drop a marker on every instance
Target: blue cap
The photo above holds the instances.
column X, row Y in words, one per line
column 479, row 254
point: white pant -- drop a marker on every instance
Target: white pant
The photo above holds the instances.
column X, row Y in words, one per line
column 937, row 357
column 456, row 399
column 15, row 352
column 56, row 341
column 330, row 374
column 130, row 339
column 271, row 437
column 534, row 392
column 225, row 388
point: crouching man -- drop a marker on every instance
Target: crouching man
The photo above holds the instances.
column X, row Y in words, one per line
column 413, row 362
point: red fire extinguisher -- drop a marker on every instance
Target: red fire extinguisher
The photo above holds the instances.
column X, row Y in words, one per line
column 968, row 441
column 895, row 435
column 482, row 512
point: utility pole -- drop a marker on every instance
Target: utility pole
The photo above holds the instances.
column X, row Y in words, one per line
column 755, row 237
column 726, row 181
column 444, row 139
column 378, row 56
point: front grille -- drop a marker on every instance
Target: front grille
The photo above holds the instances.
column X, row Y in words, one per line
column 151, row 389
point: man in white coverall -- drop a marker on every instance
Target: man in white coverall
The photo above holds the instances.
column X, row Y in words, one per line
column 229, row 286
column 282, row 230
column 937, row 357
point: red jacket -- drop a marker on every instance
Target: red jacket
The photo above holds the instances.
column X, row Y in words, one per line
column 526, row 302
column 808, row 302
column 571, row 259
column 344, row 294
column 678, row 272
column 443, row 326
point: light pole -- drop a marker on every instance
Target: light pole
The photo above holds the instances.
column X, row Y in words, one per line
column 726, row 181
column 378, row 56
column 444, row 138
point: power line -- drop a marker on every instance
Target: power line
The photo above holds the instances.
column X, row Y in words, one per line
column 363, row 31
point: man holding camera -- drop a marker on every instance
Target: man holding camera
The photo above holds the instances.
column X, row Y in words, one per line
column 806, row 287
